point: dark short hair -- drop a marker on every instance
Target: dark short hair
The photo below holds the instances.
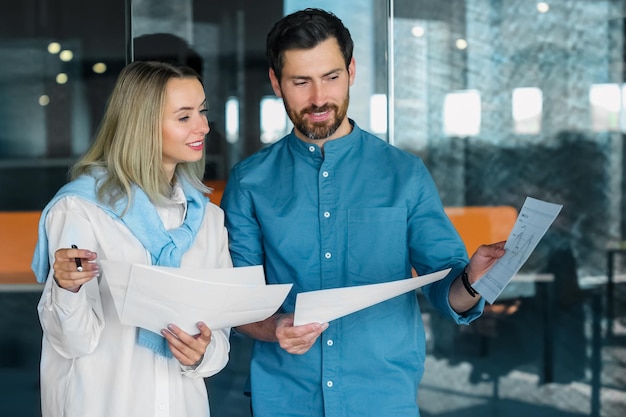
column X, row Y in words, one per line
column 306, row 29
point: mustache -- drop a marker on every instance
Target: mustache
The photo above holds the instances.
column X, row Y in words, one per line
column 319, row 109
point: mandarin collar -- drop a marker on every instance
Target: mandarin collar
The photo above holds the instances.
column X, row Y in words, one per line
column 306, row 148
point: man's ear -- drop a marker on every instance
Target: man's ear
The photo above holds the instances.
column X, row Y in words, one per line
column 275, row 83
column 352, row 70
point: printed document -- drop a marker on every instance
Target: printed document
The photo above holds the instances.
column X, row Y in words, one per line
column 533, row 221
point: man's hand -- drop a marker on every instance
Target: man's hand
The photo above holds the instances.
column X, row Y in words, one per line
column 483, row 259
column 297, row 339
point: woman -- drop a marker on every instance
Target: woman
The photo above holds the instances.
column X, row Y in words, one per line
column 137, row 197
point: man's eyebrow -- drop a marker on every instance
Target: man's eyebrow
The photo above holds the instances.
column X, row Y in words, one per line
column 308, row 77
column 300, row 77
column 336, row 70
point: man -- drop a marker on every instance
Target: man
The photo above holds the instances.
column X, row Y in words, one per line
column 331, row 206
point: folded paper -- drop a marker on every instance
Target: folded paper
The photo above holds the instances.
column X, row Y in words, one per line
column 152, row 297
column 323, row 306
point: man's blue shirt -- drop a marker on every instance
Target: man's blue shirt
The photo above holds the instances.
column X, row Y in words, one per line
column 360, row 212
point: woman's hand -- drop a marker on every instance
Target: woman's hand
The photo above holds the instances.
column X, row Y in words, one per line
column 65, row 268
column 188, row 349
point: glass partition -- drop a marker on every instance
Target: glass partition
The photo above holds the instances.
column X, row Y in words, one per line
column 502, row 99
column 60, row 59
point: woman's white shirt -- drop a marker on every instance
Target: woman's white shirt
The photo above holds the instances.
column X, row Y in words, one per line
column 91, row 364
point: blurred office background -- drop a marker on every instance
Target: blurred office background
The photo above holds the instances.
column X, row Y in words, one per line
column 502, row 99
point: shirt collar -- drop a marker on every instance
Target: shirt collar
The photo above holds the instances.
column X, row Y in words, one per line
column 311, row 149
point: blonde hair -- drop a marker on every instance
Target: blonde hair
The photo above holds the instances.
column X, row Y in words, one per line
column 129, row 141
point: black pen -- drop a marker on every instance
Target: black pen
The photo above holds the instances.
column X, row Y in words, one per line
column 79, row 264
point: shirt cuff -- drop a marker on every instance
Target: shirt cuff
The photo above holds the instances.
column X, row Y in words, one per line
column 470, row 315
column 67, row 301
column 187, row 369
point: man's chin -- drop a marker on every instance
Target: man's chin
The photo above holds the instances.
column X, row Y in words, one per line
column 317, row 134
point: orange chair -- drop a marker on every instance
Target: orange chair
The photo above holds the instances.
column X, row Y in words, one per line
column 479, row 225
column 218, row 189
column 18, row 236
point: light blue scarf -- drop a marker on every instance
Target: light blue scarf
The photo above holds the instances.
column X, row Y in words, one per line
column 142, row 219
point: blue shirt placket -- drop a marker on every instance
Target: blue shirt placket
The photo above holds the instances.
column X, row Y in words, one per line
column 329, row 278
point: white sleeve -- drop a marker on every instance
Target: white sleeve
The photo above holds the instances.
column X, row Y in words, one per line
column 215, row 358
column 71, row 322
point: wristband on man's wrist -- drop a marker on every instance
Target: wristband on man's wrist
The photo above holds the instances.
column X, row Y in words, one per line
column 466, row 283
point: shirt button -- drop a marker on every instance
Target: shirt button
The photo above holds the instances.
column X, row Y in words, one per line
column 327, row 255
column 311, row 148
column 329, row 384
column 326, row 214
column 325, row 174
column 329, row 342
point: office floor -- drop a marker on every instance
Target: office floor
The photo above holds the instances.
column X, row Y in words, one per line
column 452, row 390
column 504, row 380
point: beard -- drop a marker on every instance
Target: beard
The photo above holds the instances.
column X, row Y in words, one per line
column 318, row 130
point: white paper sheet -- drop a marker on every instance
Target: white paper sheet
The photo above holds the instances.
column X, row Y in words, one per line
column 325, row 305
column 533, row 221
column 152, row 297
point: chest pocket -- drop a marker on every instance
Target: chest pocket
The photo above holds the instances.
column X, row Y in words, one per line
column 377, row 240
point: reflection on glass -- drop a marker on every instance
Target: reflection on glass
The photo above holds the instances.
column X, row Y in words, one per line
column 461, row 113
column 527, row 108
column 605, row 103
column 418, row 31
column 378, row 113
column 66, row 55
column 461, row 44
column 99, row 68
column 232, row 119
column 622, row 112
column 61, row 78
column 54, row 47
column 274, row 122
column 543, row 7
